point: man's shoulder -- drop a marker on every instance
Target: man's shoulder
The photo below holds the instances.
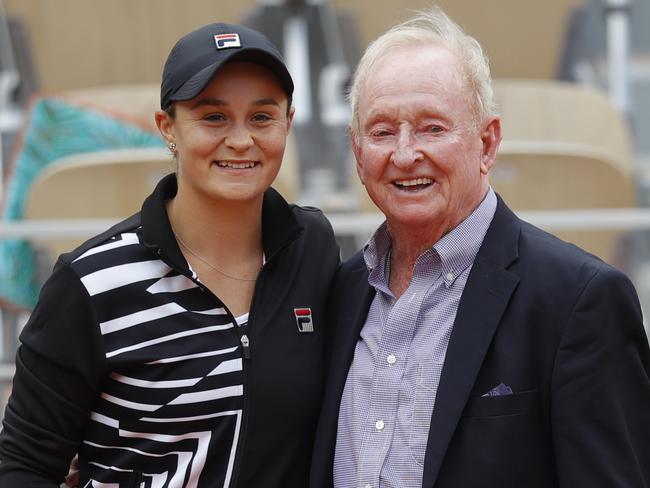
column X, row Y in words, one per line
column 538, row 244
column 548, row 262
column 535, row 245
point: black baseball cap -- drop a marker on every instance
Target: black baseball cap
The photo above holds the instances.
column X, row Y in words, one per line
column 197, row 56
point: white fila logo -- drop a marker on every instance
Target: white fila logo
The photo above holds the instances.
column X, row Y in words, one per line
column 303, row 319
column 225, row 41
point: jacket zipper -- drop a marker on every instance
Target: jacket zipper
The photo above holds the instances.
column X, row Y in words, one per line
column 245, row 341
column 246, row 354
column 245, row 344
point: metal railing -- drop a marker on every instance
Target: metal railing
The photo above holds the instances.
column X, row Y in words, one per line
column 351, row 223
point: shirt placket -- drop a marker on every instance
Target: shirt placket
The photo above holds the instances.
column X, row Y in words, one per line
column 398, row 329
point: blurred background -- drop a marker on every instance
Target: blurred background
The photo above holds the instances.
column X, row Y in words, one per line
column 79, row 82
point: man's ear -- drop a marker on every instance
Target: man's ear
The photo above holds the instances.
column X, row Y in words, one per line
column 491, row 139
column 354, row 143
column 166, row 126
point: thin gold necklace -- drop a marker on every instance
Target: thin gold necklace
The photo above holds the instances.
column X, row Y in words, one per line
column 203, row 260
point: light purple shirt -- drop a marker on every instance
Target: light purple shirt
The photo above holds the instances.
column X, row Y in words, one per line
column 391, row 387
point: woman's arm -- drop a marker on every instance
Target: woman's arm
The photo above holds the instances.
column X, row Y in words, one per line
column 59, row 365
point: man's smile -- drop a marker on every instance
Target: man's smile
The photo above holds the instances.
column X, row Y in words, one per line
column 413, row 184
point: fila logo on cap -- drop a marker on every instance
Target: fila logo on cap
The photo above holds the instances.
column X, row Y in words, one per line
column 303, row 319
column 225, row 41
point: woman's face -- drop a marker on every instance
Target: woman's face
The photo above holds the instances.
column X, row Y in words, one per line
column 230, row 139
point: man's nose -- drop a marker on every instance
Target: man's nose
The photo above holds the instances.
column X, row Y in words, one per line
column 406, row 152
column 239, row 138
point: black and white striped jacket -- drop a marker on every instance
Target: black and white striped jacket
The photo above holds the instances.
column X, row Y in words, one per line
column 130, row 361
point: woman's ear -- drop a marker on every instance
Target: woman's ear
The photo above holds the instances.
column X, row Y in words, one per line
column 292, row 111
column 165, row 125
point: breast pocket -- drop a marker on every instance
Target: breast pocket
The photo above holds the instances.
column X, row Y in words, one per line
column 504, row 439
column 520, row 403
column 424, row 398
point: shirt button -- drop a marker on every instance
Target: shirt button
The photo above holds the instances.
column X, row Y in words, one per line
column 450, row 276
column 379, row 425
column 367, row 485
column 391, row 359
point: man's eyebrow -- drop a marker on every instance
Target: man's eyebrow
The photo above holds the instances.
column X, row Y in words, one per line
column 217, row 102
column 375, row 116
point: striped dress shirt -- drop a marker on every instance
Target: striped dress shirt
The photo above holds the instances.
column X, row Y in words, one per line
column 391, row 387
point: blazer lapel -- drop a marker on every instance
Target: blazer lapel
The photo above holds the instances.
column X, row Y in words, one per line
column 485, row 298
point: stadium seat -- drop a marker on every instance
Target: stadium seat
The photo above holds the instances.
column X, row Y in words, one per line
column 97, row 185
column 564, row 147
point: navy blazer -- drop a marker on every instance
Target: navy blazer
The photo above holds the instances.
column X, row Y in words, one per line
column 562, row 329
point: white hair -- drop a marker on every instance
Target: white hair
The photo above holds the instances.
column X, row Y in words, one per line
column 429, row 27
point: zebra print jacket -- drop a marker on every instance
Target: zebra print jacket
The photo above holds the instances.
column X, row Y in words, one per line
column 130, row 362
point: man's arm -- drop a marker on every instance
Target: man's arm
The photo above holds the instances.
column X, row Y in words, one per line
column 600, row 394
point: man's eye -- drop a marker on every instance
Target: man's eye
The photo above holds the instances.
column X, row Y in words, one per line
column 434, row 129
column 380, row 133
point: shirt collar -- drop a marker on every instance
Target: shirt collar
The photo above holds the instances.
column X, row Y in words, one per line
column 455, row 251
column 458, row 248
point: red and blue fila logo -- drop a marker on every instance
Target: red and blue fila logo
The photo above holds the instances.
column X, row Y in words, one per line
column 225, row 41
column 303, row 319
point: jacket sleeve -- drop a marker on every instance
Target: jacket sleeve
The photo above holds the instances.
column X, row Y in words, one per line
column 59, row 365
column 600, row 394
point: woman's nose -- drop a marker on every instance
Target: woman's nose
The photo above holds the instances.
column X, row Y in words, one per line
column 239, row 138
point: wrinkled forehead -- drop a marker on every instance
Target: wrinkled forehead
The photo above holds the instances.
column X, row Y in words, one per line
column 427, row 75
column 416, row 68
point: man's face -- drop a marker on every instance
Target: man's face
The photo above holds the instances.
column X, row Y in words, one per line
column 421, row 151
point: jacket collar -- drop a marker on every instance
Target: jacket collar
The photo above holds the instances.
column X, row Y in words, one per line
column 487, row 293
column 279, row 224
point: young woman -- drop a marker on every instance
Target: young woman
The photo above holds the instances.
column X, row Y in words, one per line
column 183, row 347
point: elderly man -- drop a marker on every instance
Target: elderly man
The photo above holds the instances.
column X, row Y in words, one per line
column 470, row 348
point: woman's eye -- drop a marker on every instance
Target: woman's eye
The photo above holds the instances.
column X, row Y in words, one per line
column 215, row 117
column 261, row 117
